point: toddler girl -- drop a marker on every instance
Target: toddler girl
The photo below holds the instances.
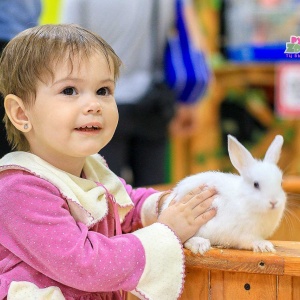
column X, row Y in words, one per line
column 69, row 227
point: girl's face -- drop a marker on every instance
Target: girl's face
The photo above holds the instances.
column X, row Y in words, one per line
column 75, row 114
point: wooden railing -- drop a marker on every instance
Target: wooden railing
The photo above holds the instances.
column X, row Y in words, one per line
column 229, row 274
column 237, row 274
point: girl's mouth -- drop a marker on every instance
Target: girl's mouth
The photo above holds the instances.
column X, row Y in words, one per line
column 88, row 128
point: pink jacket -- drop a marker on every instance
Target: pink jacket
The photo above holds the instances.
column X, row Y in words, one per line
column 80, row 261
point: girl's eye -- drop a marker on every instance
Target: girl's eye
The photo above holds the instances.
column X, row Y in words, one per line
column 103, row 91
column 69, row 91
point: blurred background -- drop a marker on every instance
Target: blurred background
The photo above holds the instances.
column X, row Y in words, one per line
column 255, row 91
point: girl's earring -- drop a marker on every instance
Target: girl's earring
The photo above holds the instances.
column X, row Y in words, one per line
column 25, row 126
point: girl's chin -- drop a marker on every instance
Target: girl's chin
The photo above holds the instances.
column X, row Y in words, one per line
column 89, row 150
column 89, row 153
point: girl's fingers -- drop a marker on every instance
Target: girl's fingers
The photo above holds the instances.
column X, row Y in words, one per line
column 205, row 217
column 191, row 212
column 191, row 194
column 196, row 191
column 202, row 207
column 200, row 198
column 172, row 202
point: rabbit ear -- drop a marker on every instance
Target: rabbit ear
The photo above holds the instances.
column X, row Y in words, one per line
column 274, row 150
column 239, row 156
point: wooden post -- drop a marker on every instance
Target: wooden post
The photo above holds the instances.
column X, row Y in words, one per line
column 239, row 274
column 226, row 274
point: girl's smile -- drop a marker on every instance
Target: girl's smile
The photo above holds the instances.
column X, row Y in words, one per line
column 90, row 128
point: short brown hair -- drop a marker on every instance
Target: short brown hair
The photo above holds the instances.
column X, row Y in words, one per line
column 32, row 54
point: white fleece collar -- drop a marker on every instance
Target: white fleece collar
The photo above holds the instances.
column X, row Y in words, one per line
column 87, row 201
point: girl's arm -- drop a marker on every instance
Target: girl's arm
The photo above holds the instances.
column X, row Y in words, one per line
column 36, row 226
column 145, row 207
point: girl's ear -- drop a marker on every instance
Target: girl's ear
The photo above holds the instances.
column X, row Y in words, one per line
column 16, row 112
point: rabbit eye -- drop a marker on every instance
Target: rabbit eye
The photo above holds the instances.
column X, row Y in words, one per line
column 256, row 184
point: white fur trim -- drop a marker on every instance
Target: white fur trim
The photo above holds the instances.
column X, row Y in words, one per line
column 24, row 290
column 163, row 276
column 86, row 200
column 149, row 209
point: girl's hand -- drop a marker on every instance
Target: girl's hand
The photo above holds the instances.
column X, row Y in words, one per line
column 188, row 214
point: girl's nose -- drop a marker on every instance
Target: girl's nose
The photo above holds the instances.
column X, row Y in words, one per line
column 95, row 110
column 94, row 107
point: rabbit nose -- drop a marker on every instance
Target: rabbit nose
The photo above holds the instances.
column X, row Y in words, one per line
column 273, row 204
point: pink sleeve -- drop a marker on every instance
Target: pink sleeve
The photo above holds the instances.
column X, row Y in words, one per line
column 36, row 225
column 133, row 218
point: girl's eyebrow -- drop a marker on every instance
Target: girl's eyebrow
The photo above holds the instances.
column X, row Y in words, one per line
column 70, row 78
column 67, row 78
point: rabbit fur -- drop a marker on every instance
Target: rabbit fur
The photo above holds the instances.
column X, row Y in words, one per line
column 249, row 206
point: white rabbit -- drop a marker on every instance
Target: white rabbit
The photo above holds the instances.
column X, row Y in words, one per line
column 249, row 206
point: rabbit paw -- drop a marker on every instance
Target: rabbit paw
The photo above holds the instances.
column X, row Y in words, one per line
column 197, row 245
column 263, row 246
